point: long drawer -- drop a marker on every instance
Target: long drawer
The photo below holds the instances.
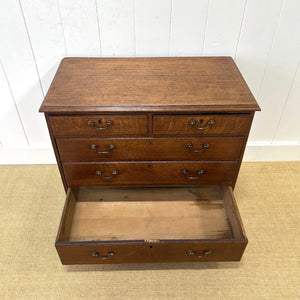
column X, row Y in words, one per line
column 137, row 225
column 99, row 125
column 122, row 149
column 149, row 173
column 206, row 124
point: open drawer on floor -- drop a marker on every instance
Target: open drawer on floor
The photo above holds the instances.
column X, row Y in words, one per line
column 137, row 225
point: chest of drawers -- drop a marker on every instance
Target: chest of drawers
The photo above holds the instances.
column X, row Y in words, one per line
column 149, row 151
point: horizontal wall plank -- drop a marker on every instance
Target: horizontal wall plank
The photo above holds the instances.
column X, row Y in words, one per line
column 152, row 27
column 116, row 22
column 188, row 23
column 80, row 26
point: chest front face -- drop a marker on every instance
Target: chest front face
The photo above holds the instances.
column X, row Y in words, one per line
column 149, row 150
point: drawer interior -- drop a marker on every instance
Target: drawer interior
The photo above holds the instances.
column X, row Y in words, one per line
column 96, row 214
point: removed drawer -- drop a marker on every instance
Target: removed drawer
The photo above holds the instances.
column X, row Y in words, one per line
column 206, row 124
column 99, row 125
column 205, row 148
column 137, row 225
column 149, row 173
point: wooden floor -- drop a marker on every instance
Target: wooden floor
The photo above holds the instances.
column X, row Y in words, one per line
column 268, row 196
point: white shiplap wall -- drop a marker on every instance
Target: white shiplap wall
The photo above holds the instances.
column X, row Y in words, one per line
column 263, row 36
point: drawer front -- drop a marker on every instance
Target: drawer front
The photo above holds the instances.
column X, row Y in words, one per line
column 210, row 124
column 147, row 253
column 149, row 173
column 207, row 148
column 99, row 125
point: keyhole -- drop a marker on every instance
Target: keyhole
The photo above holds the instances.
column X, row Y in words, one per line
column 150, row 143
column 149, row 166
column 201, row 121
column 99, row 121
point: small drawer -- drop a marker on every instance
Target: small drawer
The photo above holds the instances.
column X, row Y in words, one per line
column 203, row 148
column 139, row 225
column 99, row 125
column 206, row 124
column 149, row 173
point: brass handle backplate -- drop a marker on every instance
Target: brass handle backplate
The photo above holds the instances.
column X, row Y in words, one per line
column 199, row 127
column 205, row 253
column 190, row 146
column 113, row 173
column 108, row 256
column 108, row 123
column 95, row 147
column 186, row 173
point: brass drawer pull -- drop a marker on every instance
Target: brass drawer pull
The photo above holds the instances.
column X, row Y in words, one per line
column 108, row 123
column 186, row 173
column 194, row 123
column 95, row 147
column 205, row 253
column 114, row 172
column 190, row 146
column 109, row 255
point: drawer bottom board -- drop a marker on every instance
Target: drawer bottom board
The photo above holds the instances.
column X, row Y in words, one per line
column 182, row 214
column 127, row 225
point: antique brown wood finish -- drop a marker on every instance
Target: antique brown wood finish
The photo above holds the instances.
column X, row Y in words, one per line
column 107, row 224
column 99, row 125
column 152, row 124
column 149, row 173
column 203, row 148
column 142, row 252
column 57, row 156
column 199, row 125
column 148, row 84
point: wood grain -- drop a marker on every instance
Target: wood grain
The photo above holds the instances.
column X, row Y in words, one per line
column 140, row 252
column 72, row 150
column 149, row 173
column 56, row 152
column 232, row 212
column 158, row 226
column 149, row 219
column 114, row 84
column 77, row 126
column 223, row 124
column 152, row 123
column 65, row 225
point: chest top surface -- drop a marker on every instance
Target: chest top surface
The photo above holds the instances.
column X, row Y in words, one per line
column 148, row 84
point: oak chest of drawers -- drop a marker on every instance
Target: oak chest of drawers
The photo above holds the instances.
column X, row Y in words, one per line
column 149, row 151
